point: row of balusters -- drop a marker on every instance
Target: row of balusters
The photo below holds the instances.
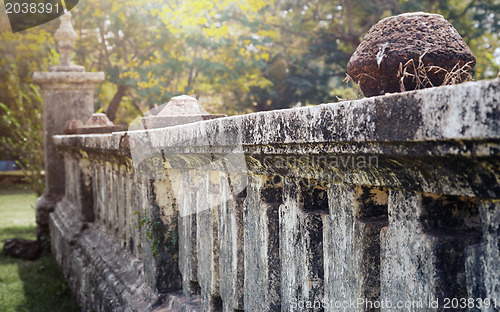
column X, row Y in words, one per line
column 269, row 243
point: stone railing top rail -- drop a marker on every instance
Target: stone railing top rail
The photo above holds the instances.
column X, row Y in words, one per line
column 469, row 111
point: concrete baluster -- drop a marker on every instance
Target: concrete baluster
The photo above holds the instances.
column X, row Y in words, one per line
column 302, row 215
column 352, row 246
column 110, row 197
column 262, row 245
column 188, row 252
column 208, row 249
column 121, row 204
column 103, row 183
column 231, row 240
column 85, row 194
column 95, row 190
column 138, row 207
column 423, row 249
column 161, row 266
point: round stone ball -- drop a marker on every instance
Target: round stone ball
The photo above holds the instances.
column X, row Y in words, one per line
column 399, row 48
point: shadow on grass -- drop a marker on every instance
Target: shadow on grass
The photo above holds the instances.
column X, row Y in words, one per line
column 44, row 287
column 26, row 232
column 15, row 189
column 34, row 286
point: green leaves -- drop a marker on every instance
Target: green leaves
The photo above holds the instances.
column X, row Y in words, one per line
column 158, row 234
column 23, row 138
column 21, row 135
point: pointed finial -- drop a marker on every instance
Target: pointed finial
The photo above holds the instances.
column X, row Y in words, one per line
column 66, row 37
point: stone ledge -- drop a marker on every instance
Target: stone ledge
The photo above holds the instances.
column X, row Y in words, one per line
column 464, row 112
column 469, row 111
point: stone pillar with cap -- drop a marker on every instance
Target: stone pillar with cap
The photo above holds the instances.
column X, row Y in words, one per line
column 68, row 93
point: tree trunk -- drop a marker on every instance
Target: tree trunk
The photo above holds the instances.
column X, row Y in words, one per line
column 115, row 102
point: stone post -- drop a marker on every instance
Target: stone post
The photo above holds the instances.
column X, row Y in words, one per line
column 68, row 93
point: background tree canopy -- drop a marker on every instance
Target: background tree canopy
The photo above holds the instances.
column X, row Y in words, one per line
column 236, row 56
column 248, row 55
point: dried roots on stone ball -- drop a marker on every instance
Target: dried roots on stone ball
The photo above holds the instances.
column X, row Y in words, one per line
column 419, row 74
column 354, row 85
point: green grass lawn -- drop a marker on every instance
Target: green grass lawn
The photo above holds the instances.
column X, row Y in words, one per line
column 27, row 285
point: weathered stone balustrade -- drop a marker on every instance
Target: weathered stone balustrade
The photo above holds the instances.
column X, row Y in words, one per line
column 390, row 200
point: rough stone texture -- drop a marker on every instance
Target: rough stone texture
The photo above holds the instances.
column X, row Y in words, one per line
column 22, row 248
column 393, row 41
column 389, row 198
column 182, row 105
column 423, row 248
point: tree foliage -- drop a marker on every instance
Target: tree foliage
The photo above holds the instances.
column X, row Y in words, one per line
column 236, row 56
column 21, row 133
column 248, row 55
column 25, row 140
